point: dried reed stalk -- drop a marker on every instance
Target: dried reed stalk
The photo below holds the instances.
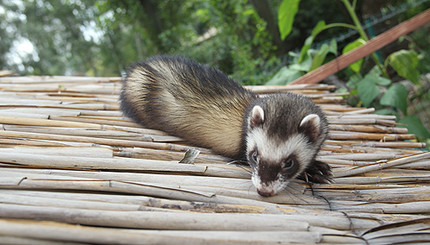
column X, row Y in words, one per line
column 92, row 140
column 377, row 166
column 45, row 231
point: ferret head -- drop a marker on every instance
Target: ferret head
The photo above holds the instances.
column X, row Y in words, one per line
column 284, row 134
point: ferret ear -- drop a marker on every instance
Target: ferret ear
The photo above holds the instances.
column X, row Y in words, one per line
column 256, row 117
column 310, row 126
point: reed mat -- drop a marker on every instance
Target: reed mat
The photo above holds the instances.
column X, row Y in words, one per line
column 73, row 170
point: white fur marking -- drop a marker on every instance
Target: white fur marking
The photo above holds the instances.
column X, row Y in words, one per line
column 273, row 151
column 257, row 114
column 274, row 186
column 313, row 118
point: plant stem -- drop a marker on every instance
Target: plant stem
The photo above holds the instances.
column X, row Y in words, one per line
column 351, row 10
column 334, row 25
column 340, row 25
column 354, row 18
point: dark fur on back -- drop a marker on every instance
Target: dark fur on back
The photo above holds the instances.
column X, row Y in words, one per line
column 187, row 99
column 287, row 108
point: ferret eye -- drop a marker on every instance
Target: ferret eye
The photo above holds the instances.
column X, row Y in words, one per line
column 287, row 164
column 255, row 157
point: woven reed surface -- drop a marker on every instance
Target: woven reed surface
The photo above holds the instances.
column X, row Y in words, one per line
column 74, row 170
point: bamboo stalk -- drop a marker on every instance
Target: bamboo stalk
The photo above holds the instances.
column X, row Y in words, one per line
column 332, row 148
column 156, row 220
column 388, row 123
column 368, row 129
column 92, row 140
column 378, row 166
column 46, row 122
column 377, row 144
column 88, row 152
column 368, row 116
column 95, row 133
column 420, row 165
column 287, row 88
column 183, row 221
column 136, row 131
column 360, row 111
column 84, row 234
column 58, row 79
column 127, row 202
column 68, row 106
column 366, row 156
column 339, row 135
column 5, row 73
column 98, row 121
column 152, row 154
column 73, row 162
column 26, row 142
column 43, row 112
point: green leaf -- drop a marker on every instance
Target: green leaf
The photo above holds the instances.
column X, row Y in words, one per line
column 305, row 65
column 356, row 66
column 248, row 12
column 375, row 70
column 415, row 126
column 286, row 13
column 293, row 54
column 353, row 92
column 305, row 48
column 396, row 96
column 284, row 76
column 383, row 81
column 367, row 90
column 387, row 111
column 318, row 28
column 354, row 80
column 341, row 90
column 405, row 62
column 333, row 47
column 377, row 78
column 320, row 55
column 308, row 42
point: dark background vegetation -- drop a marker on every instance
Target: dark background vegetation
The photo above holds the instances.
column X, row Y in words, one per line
column 102, row 38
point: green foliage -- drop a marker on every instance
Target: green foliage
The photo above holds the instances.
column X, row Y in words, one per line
column 320, row 55
column 284, row 76
column 374, row 88
column 393, row 98
column 308, row 43
column 414, row 126
column 405, row 62
column 286, row 13
column 56, row 31
column 308, row 60
column 397, row 97
column 244, row 45
column 356, row 66
column 367, row 89
column 105, row 37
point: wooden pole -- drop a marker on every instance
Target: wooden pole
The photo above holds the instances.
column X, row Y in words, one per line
column 374, row 44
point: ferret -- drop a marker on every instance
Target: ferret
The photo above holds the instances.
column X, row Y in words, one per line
column 279, row 135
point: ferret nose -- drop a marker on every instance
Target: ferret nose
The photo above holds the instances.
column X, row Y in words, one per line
column 265, row 193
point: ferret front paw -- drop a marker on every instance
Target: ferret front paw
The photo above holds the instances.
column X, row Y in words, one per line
column 317, row 172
